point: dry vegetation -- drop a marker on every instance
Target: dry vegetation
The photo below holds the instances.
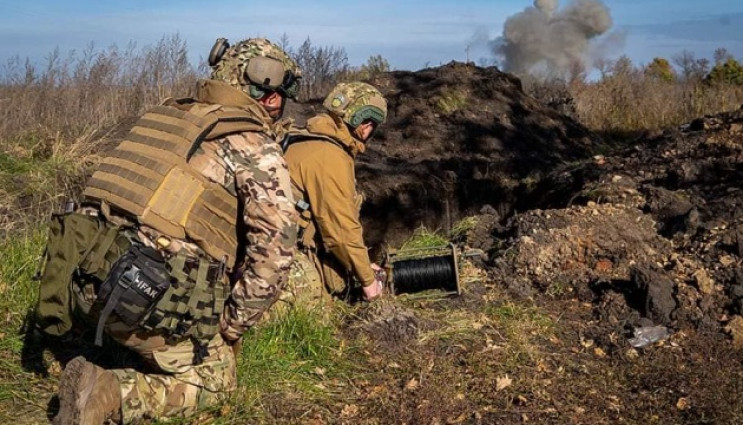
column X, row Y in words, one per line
column 627, row 99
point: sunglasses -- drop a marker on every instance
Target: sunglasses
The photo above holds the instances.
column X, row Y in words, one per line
column 269, row 74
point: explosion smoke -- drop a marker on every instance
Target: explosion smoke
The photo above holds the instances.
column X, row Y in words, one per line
column 547, row 6
column 545, row 36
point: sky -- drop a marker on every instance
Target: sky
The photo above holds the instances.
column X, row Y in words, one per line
column 410, row 34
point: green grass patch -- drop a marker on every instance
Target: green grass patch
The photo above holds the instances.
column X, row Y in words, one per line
column 462, row 227
column 297, row 355
column 424, row 238
column 20, row 256
column 451, row 101
column 18, row 290
column 517, row 318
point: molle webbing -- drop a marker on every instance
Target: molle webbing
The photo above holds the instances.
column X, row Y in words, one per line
column 148, row 175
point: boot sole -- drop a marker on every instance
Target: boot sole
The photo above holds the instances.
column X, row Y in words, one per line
column 71, row 399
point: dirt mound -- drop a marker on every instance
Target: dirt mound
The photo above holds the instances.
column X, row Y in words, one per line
column 459, row 137
column 654, row 236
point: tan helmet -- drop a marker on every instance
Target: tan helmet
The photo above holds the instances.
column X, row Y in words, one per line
column 356, row 102
column 255, row 66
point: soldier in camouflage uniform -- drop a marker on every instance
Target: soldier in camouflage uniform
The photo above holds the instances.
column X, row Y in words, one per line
column 321, row 165
column 200, row 186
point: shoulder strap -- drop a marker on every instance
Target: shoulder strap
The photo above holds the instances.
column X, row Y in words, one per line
column 303, row 135
column 213, row 121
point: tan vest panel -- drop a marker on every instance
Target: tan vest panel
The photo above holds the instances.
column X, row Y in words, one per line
column 148, row 176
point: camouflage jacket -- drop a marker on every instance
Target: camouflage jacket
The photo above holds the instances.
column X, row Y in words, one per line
column 253, row 163
column 268, row 214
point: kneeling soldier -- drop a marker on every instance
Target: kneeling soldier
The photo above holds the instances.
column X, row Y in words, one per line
column 184, row 238
column 321, row 165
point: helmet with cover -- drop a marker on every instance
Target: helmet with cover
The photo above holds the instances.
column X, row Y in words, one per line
column 255, row 66
column 356, row 102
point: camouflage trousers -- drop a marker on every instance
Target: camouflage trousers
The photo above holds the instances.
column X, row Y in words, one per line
column 312, row 284
column 179, row 388
column 171, row 385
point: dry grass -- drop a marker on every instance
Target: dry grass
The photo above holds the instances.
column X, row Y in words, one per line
column 90, row 90
column 52, row 117
column 628, row 101
column 638, row 103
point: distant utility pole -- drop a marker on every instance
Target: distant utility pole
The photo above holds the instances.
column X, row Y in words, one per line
column 467, row 50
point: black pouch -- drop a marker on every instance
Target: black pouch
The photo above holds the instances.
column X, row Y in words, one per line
column 136, row 282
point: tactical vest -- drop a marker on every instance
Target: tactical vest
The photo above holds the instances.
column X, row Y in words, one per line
column 148, row 175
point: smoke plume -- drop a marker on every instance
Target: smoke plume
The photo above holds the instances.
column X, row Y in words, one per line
column 545, row 36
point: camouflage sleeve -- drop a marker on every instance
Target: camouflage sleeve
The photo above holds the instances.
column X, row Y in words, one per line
column 263, row 185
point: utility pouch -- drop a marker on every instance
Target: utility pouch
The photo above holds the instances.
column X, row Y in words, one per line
column 134, row 285
column 68, row 244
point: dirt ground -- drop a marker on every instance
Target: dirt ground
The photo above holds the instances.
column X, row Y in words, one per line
column 587, row 247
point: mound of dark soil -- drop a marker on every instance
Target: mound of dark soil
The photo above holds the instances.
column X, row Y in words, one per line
column 658, row 240
column 458, row 137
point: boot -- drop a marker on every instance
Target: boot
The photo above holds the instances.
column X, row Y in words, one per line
column 88, row 395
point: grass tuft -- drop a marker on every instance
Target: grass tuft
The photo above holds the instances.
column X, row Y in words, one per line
column 424, row 238
column 451, row 101
column 18, row 387
column 294, row 356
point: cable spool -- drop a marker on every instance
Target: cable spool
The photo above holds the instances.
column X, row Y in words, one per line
column 414, row 271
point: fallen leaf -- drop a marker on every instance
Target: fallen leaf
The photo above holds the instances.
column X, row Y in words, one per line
column 503, row 383
column 542, row 366
column 350, row 410
column 225, row 409
column 599, row 352
column 412, row 385
column 682, row 403
column 320, row 371
column 458, row 420
column 431, row 364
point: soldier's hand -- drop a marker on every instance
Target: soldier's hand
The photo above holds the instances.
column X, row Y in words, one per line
column 373, row 291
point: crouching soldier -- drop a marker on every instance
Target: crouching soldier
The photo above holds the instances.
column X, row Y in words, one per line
column 321, row 166
column 183, row 240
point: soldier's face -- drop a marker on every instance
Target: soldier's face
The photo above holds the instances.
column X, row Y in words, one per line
column 365, row 130
column 272, row 103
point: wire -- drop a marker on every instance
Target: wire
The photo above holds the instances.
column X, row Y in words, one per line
column 410, row 276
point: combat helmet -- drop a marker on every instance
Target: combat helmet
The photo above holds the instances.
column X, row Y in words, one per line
column 256, row 66
column 356, row 102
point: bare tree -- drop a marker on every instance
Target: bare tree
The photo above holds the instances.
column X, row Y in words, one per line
column 692, row 69
column 721, row 55
column 321, row 67
column 284, row 43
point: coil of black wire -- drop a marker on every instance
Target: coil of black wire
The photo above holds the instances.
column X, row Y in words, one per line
column 416, row 275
